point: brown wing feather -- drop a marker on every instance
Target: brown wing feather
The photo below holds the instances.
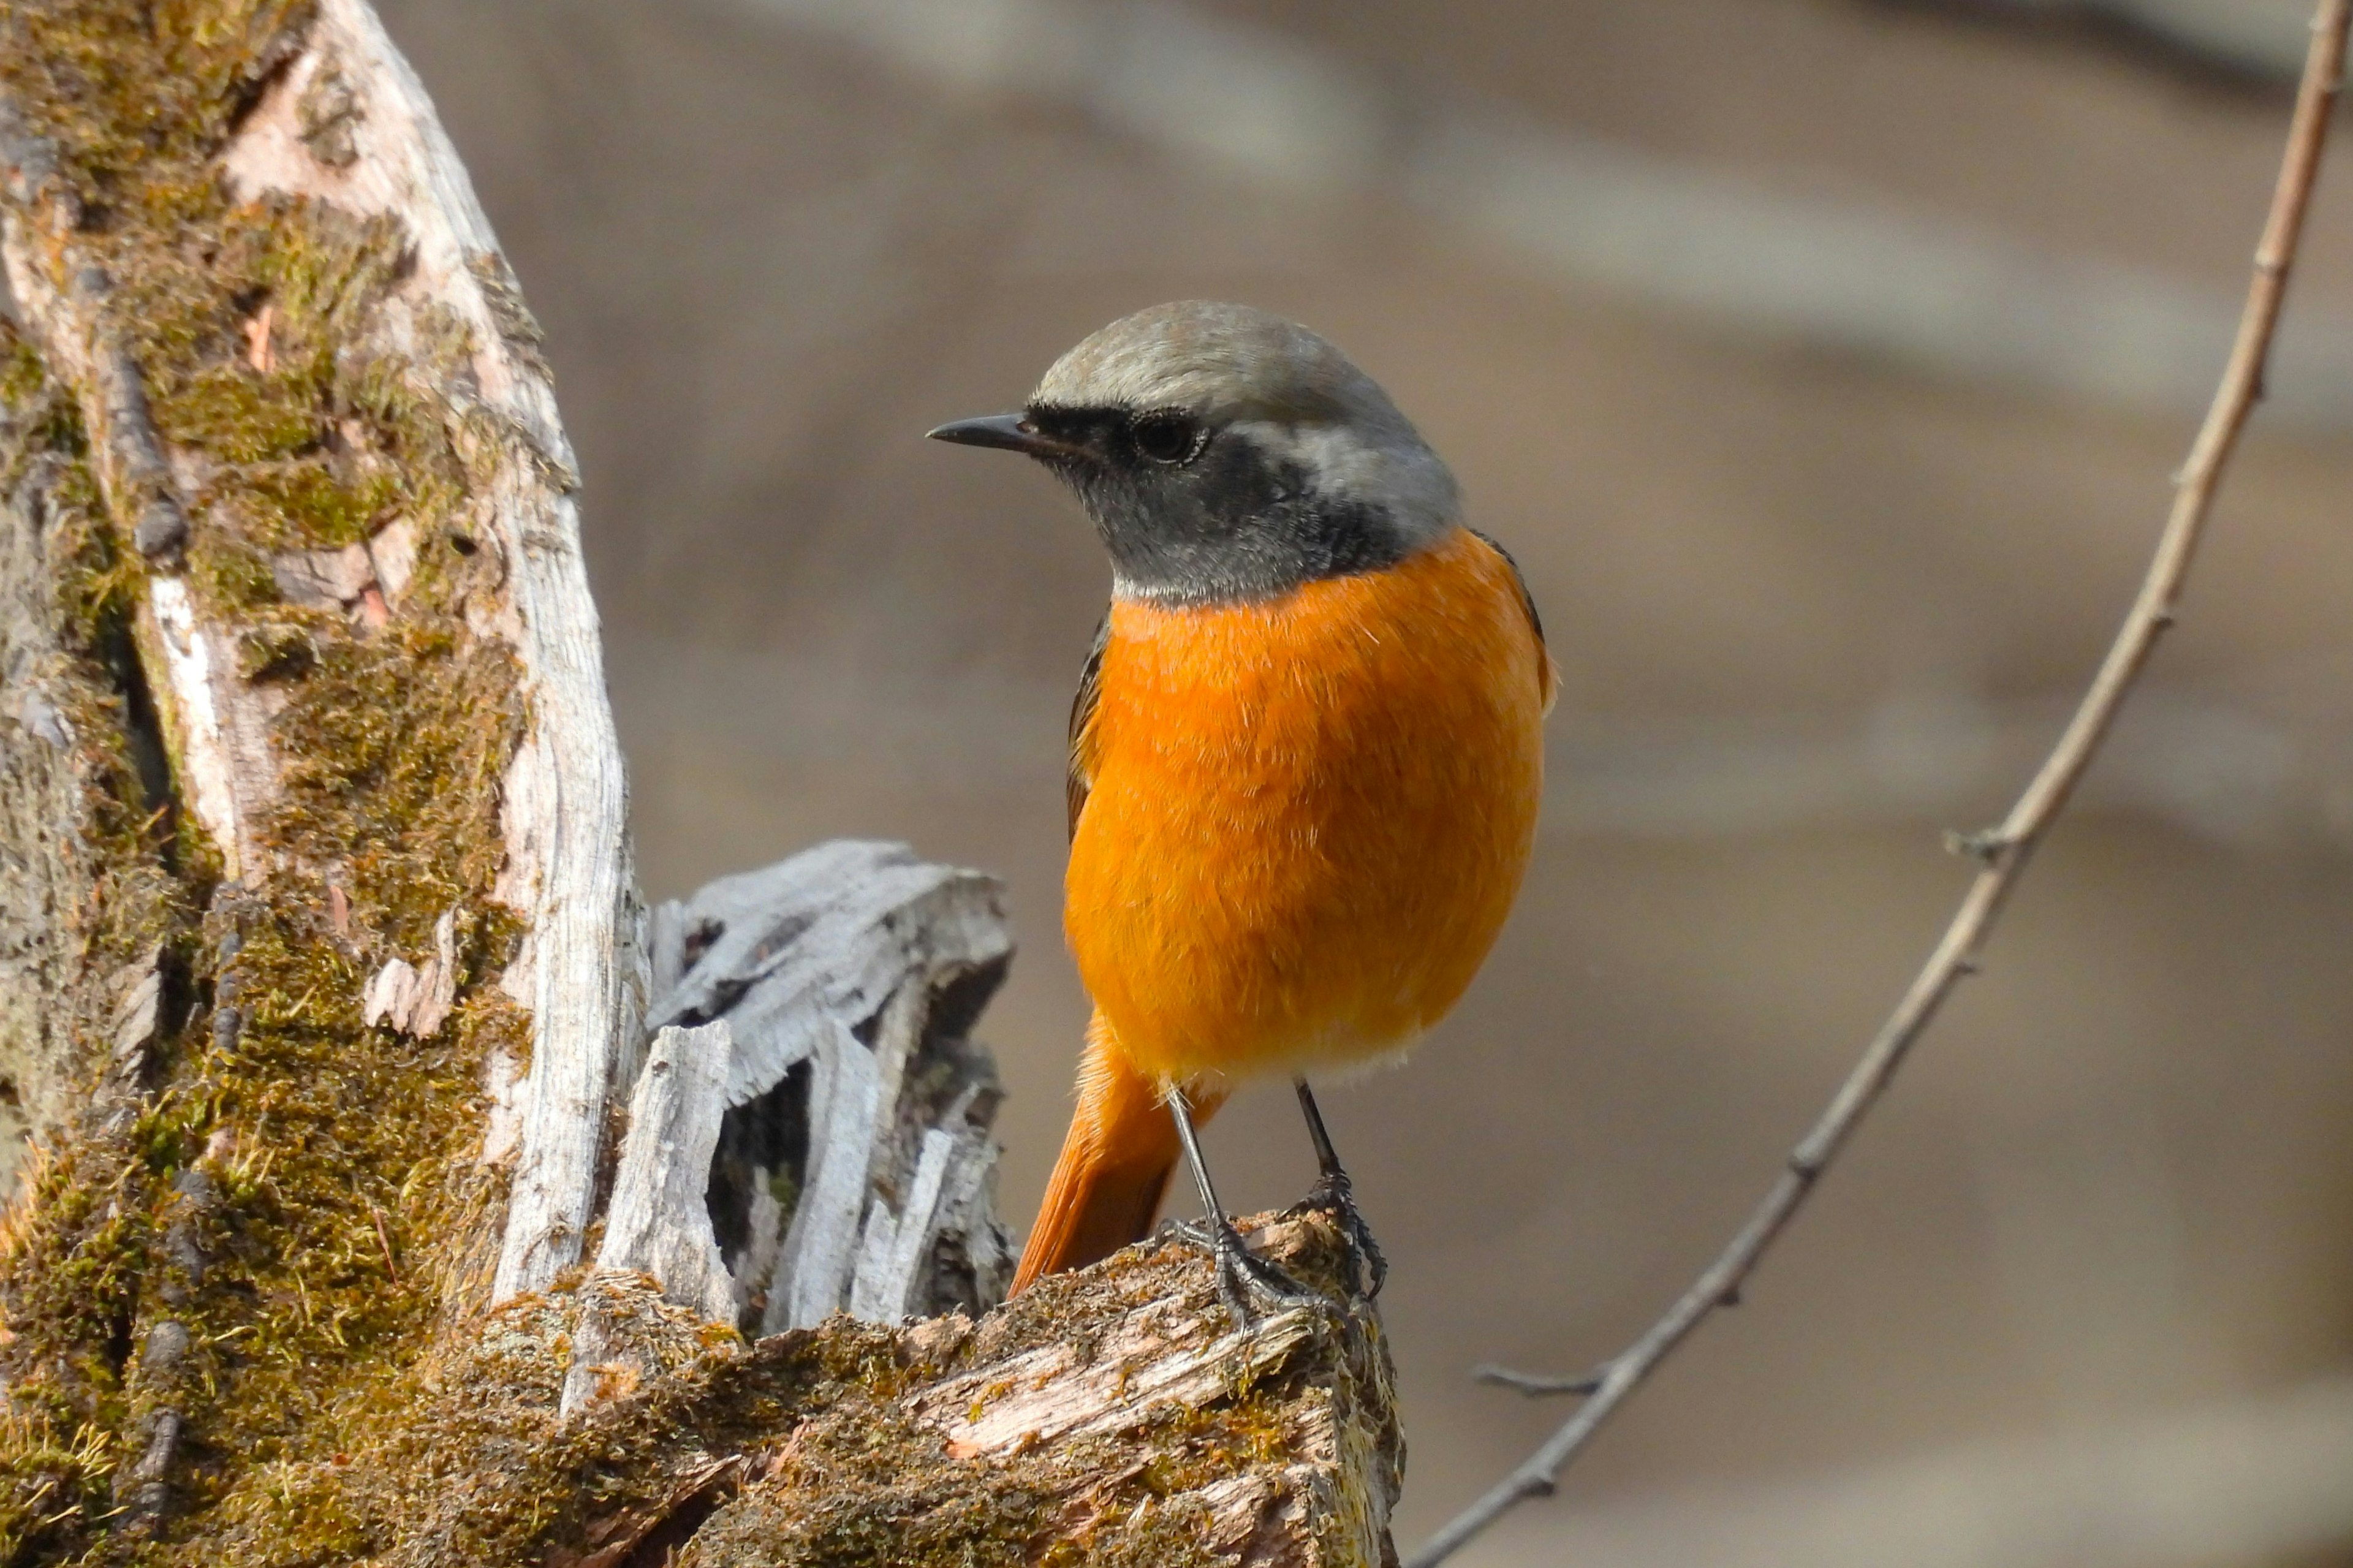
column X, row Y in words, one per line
column 1075, row 782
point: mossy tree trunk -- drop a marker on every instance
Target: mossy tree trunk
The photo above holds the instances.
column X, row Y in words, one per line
column 350, row 1218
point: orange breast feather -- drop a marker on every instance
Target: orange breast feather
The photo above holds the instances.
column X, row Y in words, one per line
column 1307, row 817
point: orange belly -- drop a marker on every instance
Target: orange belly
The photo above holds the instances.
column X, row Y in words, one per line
column 1307, row 817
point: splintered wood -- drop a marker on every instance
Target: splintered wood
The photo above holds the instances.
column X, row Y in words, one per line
column 417, row 1000
column 657, row 1223
column 1116, row 1415
column 1159, row 1354
column 857, row 1169
column 346, row 121
column 356, row 1008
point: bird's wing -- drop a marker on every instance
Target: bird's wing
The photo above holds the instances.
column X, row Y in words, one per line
column 1075, row 782
column 1547, row 676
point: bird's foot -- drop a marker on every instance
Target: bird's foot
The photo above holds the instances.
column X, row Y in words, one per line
column 1246, row 1280
column 1333, row 1195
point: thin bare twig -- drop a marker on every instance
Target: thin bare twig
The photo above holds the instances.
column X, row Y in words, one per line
column 2003, row 851
column 1536, row 1385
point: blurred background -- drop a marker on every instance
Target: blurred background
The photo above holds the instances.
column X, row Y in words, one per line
column 1824, row 363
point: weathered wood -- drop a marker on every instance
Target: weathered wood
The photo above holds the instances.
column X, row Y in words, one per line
column 1112, row 1413
column 658, row 1225
column 46, row 809
column 290, row 502
column 218, row 725
column 1153, row 1355
column 659, row 1221
column 321, row 967
column 579, row 972
column 412, row 998
column 850, row 976
column 348, row 122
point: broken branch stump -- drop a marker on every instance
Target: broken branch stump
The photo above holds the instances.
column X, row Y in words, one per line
column 389, row 1183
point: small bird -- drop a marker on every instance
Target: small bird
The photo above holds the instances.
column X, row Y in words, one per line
column 1306, row 757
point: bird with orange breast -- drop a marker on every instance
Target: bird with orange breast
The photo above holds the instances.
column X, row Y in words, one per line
column 1306, row 758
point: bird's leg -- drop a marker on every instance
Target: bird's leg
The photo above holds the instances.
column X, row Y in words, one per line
column 1337, row 1196
column 1241, row 1272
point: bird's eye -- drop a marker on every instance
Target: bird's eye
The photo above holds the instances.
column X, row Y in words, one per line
column 1169, row 438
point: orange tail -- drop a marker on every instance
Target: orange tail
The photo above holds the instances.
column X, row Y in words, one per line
column 1114, row 1165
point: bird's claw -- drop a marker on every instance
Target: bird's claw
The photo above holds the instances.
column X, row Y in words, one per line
column 1333, row 1195
column 1243, row 1277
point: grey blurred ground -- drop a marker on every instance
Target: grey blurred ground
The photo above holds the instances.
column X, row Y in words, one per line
column 1817, row 591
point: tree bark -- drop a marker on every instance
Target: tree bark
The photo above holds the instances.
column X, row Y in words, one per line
column 356, row 1214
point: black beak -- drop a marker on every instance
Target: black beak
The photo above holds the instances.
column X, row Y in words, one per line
column 1013, row 432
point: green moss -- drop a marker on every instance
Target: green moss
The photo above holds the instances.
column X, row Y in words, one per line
column 397, row 746
column 461, row 1460
column 136, row 96
column 333, row 1152
column 464, row 1461
column 241, row 356
column 54, row 1477
column 309, row 506
column 126, row 822
column 23, row 377
column 339, row 1206
column 226, row 572
column 862, row 1484
column 275, row 648
column 240, row 415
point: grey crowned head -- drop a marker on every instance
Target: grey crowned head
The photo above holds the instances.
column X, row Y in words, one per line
column 1228, row 455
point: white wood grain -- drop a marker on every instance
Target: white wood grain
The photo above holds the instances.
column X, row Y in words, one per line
column 657, row 1222
column 1164, row 1355
column 842, row 962
column 579, row 971
column 225, row 791
column 813, row 1277
column 417, row 1000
